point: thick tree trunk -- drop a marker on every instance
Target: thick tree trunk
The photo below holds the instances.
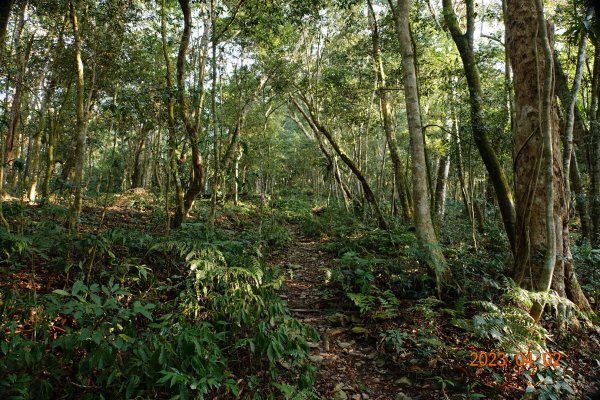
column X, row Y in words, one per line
column 537, row 177
column 464, row 43
column 426, row 235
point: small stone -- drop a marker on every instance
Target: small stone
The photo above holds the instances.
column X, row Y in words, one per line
column 340, row 395
column 364, row 396
column 316, row 359
column 356, row 397
column 360, row 330
column 345, row 345
column 401, row 396
column 404, row 381
column 414, row 361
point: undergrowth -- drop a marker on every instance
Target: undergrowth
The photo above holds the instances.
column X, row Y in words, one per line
column 128, row 314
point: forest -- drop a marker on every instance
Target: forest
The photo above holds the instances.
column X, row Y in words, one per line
column 299, row 199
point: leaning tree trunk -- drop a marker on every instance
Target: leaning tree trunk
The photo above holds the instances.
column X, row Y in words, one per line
column 542, row 255
column 360, row 176
column 426, row 235
column 464, row 43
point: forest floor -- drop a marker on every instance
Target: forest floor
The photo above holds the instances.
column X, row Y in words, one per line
column 349, row 365
column 407, row 350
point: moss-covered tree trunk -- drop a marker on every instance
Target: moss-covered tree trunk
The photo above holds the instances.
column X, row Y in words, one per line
column 464, row 43
column 82, row 124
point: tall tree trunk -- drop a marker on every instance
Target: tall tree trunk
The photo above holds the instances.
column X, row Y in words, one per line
column 387, row 113
column 369, row 195
column 138, row 168
column 464, row 43
column 426, row 235
column 15, row 110
column 191, row 128
column 580, row 133
column 570, row 111
column 37, row 140
column 172, row 167
column 594, row 150
column 542, row 256
column 441, row 186
column 81, row 130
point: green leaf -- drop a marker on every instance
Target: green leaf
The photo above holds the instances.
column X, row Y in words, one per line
column 140, row 309
column 61, row 292
column 77, row 287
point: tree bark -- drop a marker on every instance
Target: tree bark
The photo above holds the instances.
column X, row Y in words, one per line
column 542, row 251
column 594, row 151
column 195, row 185
column 464, row 43
column 387, row 113
column 81, row 130
column 426, row 235
column 172, row 167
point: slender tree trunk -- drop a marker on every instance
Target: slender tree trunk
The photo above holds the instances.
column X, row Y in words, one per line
column 191, row 128
column 464, row 43
column 441, row 186
column 594, row 151
column 172, row 167
column 329, row 158
column 386, row 112
column 37, row 140
column 369, row 195
column 570, row 111
column 15, row 110
column 81, row 135
column 137, row 174
column 426, row 235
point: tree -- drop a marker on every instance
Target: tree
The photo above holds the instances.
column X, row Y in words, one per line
column 422, row 213
column 464, row 43
column 542, row 253
column 82, row 123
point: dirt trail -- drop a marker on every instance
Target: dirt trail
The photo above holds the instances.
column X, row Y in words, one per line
column 348, row 366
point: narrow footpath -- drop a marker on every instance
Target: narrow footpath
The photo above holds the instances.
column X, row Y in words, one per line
column 348, row 365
